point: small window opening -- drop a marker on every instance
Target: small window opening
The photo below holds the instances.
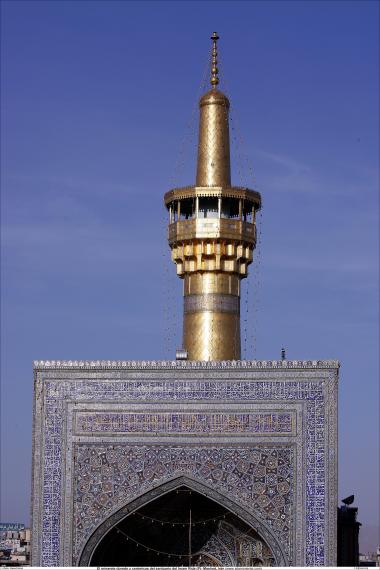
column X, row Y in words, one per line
column 187, row 209
column 174, row 206
column 230, row 208
column 247, row 212
column 208, row 208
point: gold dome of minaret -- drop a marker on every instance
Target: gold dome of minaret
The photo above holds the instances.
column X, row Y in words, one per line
column 212, row 235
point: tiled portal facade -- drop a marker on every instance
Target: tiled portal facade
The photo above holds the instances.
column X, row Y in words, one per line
column 259, row 437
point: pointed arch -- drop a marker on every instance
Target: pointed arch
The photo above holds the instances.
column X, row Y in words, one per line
column 244, row 514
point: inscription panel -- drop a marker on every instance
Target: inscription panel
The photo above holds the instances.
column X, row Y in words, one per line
column 198, row 424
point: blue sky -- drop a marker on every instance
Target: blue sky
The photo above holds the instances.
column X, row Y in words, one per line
column 99, row 119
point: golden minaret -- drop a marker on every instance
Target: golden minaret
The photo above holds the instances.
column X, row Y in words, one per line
column 212, row 235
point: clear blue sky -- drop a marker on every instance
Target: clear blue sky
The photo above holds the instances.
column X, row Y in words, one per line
column 97, row 98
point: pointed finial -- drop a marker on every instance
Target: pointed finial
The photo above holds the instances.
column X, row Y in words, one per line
column 214, row 69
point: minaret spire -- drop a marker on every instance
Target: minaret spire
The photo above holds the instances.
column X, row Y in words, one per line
column 212, row 235
column 214, row 64
column 213, row 164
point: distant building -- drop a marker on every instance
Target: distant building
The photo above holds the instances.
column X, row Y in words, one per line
column 14, row 544
column 367, row 560
column 5, row 527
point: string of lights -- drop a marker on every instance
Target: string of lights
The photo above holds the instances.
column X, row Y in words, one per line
column 246, row 174
column 165, row 287
column 149, row 548
column 253, row 300
column 191, row 127
column 245, row 319
column 143, row 546
column 183, row 524
column 257, row 284
column 170, row 286
column 246, row 170
column 183, row 210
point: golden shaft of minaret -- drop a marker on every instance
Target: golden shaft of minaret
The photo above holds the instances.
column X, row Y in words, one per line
column 211, row 320
column 212, row 236
column 213, row 166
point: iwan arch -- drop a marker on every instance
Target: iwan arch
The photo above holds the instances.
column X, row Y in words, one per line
column 226, row 508
column 204, row 460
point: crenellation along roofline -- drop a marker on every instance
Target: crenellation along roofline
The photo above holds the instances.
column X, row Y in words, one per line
column 186, row 364
column 213, row 191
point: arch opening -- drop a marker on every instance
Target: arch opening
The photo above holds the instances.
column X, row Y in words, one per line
column 181, row 527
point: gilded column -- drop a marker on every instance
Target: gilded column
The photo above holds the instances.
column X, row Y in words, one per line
column 212, row 235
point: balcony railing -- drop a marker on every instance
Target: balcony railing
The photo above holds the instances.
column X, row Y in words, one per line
column 212, row 228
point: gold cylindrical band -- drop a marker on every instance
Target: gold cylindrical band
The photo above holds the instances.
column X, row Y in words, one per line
column 211, row 282
column 211, row 335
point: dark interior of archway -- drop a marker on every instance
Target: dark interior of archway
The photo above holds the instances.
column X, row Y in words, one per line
column 158, row 533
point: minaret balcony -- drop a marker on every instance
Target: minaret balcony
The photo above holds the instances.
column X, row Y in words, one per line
column 212, row 228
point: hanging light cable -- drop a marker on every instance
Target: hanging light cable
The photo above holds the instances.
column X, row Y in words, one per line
column 176, row 523
column 149, row 548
